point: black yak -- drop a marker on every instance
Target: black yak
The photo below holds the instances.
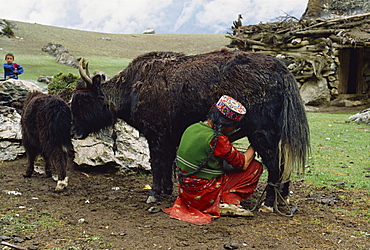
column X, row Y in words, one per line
column 46, row 131
column 162, row 93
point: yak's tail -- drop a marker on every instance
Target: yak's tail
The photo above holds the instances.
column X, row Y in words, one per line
column 294, row 144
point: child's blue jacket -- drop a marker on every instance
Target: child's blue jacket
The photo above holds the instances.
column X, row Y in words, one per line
column 9, row 68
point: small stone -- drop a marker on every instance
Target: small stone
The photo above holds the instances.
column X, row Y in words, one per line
column 18, row 239
column 154, row 210
column 3, row 237
column 338, row 184
column 82, row 220
column 183, row 244
column 230, row 245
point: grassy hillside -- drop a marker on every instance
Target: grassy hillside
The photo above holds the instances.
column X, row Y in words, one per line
column 109, row 56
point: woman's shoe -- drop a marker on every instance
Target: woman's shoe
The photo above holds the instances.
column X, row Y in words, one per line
column 234, row 210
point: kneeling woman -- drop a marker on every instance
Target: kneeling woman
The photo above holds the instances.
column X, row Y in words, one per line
column 206, row 189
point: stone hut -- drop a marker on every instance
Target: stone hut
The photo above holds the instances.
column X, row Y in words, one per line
column 327, row 49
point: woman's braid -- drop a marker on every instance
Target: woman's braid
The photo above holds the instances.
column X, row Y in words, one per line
column 217, row 131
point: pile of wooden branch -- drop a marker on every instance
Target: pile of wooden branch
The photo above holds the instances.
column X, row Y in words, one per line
column 292, row 33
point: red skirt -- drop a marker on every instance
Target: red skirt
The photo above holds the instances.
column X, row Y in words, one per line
column 199, row 199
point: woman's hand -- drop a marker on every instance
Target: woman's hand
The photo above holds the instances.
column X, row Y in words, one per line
column 249, row 155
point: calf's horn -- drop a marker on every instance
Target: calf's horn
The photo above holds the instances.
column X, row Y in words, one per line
column 84, row 75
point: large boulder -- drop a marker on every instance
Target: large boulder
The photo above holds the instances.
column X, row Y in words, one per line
column 67, row 59
column 315, row 92
column 63, row 56
column 97, row 149
column 54, row 49
column 12, row 92
column 15, row 90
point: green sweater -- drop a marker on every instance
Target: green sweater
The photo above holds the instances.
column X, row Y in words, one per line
column 194, row 148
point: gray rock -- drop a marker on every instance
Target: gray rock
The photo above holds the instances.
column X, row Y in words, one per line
column 63, row 56
column 315, row 92
column 132, row 149
column 10, row 124
column 54, row 49
column 67, row 59
column 10, row 134
column 14, row 90
column 361, row 117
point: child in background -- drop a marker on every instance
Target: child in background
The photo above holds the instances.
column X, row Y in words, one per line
column 11, row 69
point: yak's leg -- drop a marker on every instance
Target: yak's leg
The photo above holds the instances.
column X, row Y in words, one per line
column 266, row 144
column 284, row 194
column 276, row 191
column 48, row 170
column 162, row 179
column 162, row 155
column 31, row 156
column 167, row 183
column 281, row 190
column 273, row 184
column 157, row 171
column 60, row 160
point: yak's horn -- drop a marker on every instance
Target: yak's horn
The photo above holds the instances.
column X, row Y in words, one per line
column 83, row 74
column 87, row 70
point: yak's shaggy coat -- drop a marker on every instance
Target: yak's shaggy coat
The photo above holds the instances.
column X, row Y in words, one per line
column 46, row 125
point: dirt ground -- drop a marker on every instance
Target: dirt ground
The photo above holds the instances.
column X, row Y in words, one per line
column 103, row 210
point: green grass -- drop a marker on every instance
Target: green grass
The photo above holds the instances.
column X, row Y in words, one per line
column 45, row 65
column 340, row 151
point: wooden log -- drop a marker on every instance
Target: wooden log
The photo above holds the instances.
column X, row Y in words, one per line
column 253, row 42
column 12, row 245
column 332, row 21
column 319, row 32
column 264, row 48
column 351, row 24
column 304, row 76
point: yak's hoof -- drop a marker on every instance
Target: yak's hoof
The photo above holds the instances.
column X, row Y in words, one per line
column 61, row 184
column 265, row 209
column 284, row 201
column 27, row 175
column 151, row 199
column 167, row 190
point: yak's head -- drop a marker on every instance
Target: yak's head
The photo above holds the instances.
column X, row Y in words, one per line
column 91, row 112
